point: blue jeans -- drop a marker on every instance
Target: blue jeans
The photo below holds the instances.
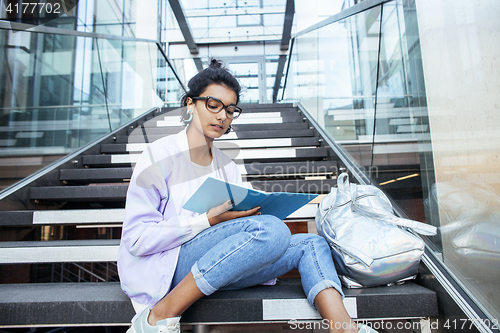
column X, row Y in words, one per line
column 251, row 250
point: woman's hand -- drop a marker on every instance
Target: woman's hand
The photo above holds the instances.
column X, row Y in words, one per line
column 221, row 213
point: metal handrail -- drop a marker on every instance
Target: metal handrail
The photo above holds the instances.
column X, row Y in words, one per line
column 59, row 106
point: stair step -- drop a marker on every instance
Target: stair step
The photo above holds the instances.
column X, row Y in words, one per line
column 105, row 217
column 269, row 134
column 62, row 217
column 244, row 119
column 55, row 304
column 101, row 174
column 173, row 118
column 249, row 155
column 236, row 127
column 221, row 144
column 252, row 108
column 91, row 250
column 96, row 193
column 289, row 169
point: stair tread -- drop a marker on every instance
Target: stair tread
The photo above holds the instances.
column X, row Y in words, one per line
column 106, row 303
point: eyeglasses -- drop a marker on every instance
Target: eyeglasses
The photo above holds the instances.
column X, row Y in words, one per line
column 215, row 105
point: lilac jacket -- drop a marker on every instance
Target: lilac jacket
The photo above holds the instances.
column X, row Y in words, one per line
column 155, row 224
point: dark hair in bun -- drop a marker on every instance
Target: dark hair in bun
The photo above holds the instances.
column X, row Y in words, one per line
column 214, row 73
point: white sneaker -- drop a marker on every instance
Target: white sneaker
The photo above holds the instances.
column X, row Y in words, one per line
column 365, row 329
column 141, row 325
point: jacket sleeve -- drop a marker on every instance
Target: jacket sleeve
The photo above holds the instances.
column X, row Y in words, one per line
column 146, row 230
column 236, row 175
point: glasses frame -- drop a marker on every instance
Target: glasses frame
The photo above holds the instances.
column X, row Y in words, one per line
column 224, row 107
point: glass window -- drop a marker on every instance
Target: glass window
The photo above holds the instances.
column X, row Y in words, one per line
column 274, row 20
column 249, row 20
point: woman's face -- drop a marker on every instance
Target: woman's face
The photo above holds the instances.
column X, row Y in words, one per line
column 211, row 125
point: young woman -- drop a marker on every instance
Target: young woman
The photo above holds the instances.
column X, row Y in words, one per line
column 170, row 257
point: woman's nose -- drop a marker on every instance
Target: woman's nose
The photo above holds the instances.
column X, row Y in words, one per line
column 222, row 115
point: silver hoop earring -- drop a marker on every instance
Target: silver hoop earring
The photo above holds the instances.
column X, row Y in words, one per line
column 190, row 113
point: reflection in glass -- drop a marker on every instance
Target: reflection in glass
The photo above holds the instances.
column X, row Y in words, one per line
column 60, row 92
column 334, row 77
column 401, row 122
column 306, row 72
column 247, row 74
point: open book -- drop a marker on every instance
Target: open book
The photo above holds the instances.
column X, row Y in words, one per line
column 214, row 192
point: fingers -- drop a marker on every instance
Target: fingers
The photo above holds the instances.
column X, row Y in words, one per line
column 221, row 213
column 253, row 211
column 227, row 205
column 220, row 209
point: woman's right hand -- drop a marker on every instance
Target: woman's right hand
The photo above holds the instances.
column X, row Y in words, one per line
column 222, row 213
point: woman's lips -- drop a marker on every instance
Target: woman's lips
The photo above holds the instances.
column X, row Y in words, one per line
column 217, row 127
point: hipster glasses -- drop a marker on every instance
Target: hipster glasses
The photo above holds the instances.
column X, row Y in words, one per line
column 215, row 105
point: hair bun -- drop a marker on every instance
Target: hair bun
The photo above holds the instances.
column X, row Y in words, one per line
column 215, row 63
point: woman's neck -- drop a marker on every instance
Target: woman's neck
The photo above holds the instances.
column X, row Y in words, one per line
column 199, row 147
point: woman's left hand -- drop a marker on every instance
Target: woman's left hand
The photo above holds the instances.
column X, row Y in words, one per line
column 223, row 213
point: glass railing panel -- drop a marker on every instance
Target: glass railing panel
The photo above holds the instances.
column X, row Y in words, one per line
column 122, row 18
column 306, row 72
column 248, row 74
column 43, row 114
column 402, row 129
column 38, row 106
column 288, row 91
column 271, row 70
column 333, row 75
column 59, row 92
column 173, row 89
column 130, row 76
column 348, row 53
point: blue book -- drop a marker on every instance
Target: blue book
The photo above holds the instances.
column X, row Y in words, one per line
column 214, row 192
